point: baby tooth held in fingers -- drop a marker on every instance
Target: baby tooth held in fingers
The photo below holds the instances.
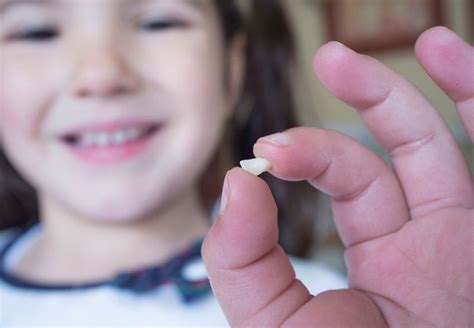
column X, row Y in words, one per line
column 256, row 166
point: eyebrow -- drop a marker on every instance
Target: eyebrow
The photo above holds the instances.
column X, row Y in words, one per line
column 7, row 4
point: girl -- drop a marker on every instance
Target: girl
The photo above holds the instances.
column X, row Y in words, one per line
column 114, row 134
column 112, row 111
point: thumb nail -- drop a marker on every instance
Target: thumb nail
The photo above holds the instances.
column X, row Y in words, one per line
column 225, row 196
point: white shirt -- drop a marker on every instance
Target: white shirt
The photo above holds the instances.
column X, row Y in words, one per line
column 112, row 307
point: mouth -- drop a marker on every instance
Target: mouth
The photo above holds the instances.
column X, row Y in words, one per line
column 118, row 137
column 110, row 143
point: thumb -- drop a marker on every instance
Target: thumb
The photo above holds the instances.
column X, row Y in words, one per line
column 249, row 272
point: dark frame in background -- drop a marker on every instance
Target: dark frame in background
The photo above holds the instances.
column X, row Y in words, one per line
column 471, row 20
column 396, row 39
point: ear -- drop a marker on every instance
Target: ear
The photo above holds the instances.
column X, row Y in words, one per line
column 236, row 70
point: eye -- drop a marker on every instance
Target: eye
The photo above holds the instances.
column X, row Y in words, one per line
column 35, row 34
column 164, row 24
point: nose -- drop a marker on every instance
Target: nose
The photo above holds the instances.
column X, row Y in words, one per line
column 102, row 72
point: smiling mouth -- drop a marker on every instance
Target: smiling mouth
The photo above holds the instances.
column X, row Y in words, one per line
column 115, row 137
column 112, row 143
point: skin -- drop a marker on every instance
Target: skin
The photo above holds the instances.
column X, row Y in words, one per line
column 101, row 60
column 408, row 229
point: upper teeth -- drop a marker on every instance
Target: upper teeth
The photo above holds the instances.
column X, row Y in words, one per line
column 103, row 139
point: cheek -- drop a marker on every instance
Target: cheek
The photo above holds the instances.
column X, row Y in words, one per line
column 190, row 73
column 24, row 94
column 198, row 82
column 189, row 66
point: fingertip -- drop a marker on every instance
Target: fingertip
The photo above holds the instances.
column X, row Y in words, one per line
column 447, row 58
column 438, row 35
column 283, row 157
column 242, row 183
column 239, row 186
column 439, row 39
column 300, row 159
column 358, row 80
column 246, row 227
column 329, row 57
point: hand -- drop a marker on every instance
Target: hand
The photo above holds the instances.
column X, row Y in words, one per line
column 408, row 230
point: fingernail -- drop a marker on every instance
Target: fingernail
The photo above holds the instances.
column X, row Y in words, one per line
column 277, row 139
column 225, row 196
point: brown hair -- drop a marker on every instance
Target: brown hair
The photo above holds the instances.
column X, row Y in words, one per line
column 266, row 106
column 18, row 206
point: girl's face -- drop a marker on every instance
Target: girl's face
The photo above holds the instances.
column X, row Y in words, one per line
column 112, row 107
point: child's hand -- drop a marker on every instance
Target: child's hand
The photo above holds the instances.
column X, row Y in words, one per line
column 408, row 230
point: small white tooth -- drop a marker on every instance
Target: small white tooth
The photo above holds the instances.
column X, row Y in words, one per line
column 102, row 139
column 256, row 166
column 118, row 137
column 87, row 139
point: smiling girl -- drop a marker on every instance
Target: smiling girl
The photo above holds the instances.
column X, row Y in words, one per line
column 114, row 111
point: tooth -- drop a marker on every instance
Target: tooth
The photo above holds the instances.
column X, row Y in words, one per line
column 86, row 139
column 102, row 139
column 256, row 166
column 118, row 137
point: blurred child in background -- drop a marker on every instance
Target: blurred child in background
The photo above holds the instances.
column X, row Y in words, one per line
column 122, row 115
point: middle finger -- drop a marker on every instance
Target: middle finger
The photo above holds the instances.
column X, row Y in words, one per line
column 425, row 156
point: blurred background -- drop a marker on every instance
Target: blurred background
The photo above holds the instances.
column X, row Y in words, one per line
column 387, row 30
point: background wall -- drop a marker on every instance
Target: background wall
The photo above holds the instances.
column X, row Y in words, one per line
column 318, row 107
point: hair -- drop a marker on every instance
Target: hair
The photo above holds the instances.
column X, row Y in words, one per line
column 266, row 106
column 18, row 205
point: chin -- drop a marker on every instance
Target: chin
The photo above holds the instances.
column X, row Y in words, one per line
column 122, row 215
column 116, row 211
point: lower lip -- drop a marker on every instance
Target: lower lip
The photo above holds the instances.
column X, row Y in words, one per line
column 112, row 154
